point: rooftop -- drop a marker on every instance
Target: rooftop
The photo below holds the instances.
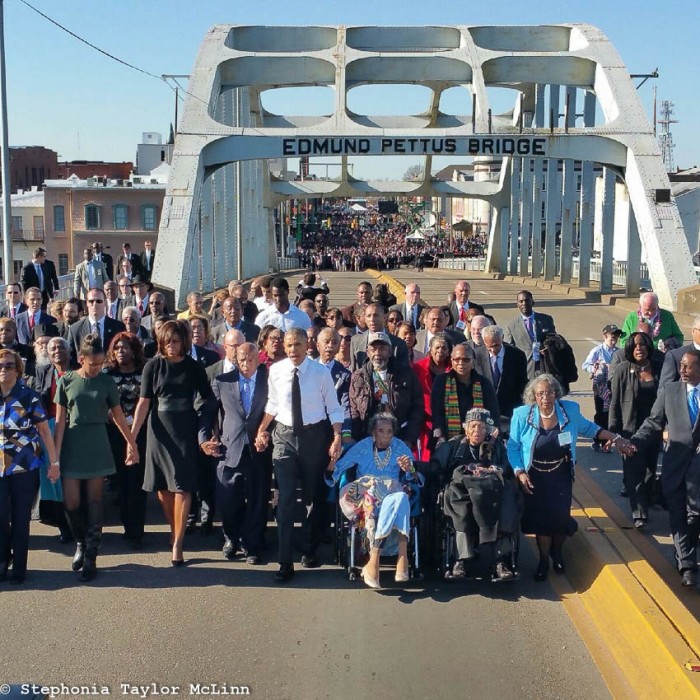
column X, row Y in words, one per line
column 32, row 199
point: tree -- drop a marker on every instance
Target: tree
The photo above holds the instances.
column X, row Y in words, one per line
column 171, row 138
column 414, row 172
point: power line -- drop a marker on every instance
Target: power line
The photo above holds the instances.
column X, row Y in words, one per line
column 159, row 78
column 87, row 43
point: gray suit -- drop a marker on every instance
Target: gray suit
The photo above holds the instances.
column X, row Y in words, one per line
column 680, row 471
column 406, row 316
column 81, row 280
column 516, row 334
column 243, row 473
column 358, row 350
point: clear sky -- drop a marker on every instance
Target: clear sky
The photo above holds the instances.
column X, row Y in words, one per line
column 65, row 96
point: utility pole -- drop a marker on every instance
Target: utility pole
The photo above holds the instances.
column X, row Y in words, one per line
column 8, row 263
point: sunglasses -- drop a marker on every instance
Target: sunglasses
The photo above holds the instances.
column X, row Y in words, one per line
column 8, row 365
column 95, row 301
column 345, row 338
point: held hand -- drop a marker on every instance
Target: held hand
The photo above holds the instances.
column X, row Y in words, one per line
column 262, row 440
column 132, row 455
column 212, row 447
column 405, row 463
column 525, row 483
column 335, row 448
column 331, row 466
column 54, row 473
column 626, row 448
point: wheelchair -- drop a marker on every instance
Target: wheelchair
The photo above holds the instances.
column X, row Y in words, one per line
column 351, row 546
column 505, row 549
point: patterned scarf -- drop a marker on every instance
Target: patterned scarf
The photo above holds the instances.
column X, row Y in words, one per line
column 454, row 420
column 654, row 322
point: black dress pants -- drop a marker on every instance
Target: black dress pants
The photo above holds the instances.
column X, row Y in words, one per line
column 684, row 515
column 298, row 458
column 243, row 500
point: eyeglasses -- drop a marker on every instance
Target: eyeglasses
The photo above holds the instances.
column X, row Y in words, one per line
column 95, row 301
column 8, row 365
column 544, row 394
column 461, row 359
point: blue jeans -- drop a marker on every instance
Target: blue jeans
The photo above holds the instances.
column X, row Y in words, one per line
column 17, row 493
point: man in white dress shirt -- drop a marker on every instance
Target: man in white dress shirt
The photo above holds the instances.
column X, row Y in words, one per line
column 282, row 314
column 411, row 309
column 302, row 400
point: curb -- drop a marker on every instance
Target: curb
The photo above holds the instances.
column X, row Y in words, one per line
column 638, row 631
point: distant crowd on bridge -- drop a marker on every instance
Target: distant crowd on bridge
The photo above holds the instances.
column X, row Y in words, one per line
column 343, row 242
column 401, row 423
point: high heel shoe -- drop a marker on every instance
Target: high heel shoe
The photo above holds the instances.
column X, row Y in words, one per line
column 401, row 577
column 369, row 581
column 541, row 571
column 177, row 562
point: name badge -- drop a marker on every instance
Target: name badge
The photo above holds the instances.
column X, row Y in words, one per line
column 564, row 439
column 535, row 351
column 461, row 325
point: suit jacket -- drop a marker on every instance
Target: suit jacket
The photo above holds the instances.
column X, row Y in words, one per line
column 144, row 335
column 422, row 339
column 341, row 381
column 455, row 311
column 81, row 280
column 672, row 361
column 513, row 380
column 250, row 332
column 121, row 304
column 233, row 423
column 145, row 269
column 31, row 279
column 82, row 328
column 63, row 330
column 624, row 389
column 24, row 333
column 26, row 352
column 135, row 260
column 108, row 261
column 358, row 350
column 205, row 356
column 349, row 315
column 670, row 413
column 516, row 334
column 402, row 309
column 5, row 309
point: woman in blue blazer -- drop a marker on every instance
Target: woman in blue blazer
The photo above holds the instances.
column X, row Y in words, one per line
column 542, row 451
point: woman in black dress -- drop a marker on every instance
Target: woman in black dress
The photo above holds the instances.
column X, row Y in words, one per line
column 124, row 364
column 634, row 385
column 170, row 381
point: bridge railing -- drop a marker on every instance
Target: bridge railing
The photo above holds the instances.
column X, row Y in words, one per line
column 65, row 288
column 473, row 264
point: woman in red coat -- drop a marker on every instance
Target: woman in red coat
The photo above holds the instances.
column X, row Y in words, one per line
column 437, row 361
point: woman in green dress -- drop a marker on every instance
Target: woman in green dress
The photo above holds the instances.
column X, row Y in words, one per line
column 84, row 399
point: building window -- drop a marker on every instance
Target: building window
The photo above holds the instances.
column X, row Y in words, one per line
column 18, row 265
column 62, row 263
column 121, row 217
column 92, row 216
column 17, row 226
column 59, row 218
column 148, row 217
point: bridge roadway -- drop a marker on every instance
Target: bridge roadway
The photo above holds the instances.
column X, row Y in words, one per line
column 215, row 621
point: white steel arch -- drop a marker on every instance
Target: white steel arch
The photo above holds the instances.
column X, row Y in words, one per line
column 217, row 218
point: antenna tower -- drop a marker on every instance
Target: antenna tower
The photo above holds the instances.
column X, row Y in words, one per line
column 666, row 138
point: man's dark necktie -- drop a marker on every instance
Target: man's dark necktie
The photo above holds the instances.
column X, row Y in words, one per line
column 297, row 419
column 495, row 371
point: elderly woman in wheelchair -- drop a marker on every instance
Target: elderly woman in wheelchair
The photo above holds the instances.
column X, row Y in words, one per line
column 379, row 499
column 481, row 497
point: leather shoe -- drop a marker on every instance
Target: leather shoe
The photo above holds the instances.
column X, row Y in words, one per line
column 309, row 561
column 690, row 578
column 285, row 573
column 639, row 523
column 17, row 579
column 3, row 570
column 206, row 529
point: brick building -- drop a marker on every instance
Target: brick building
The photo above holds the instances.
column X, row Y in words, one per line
column 30, row 166
column 95, row 168
column 112, row 211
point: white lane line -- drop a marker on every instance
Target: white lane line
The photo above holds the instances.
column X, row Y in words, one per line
column 593, row 341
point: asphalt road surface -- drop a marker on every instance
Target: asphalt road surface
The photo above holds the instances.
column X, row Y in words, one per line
column 217, row 622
